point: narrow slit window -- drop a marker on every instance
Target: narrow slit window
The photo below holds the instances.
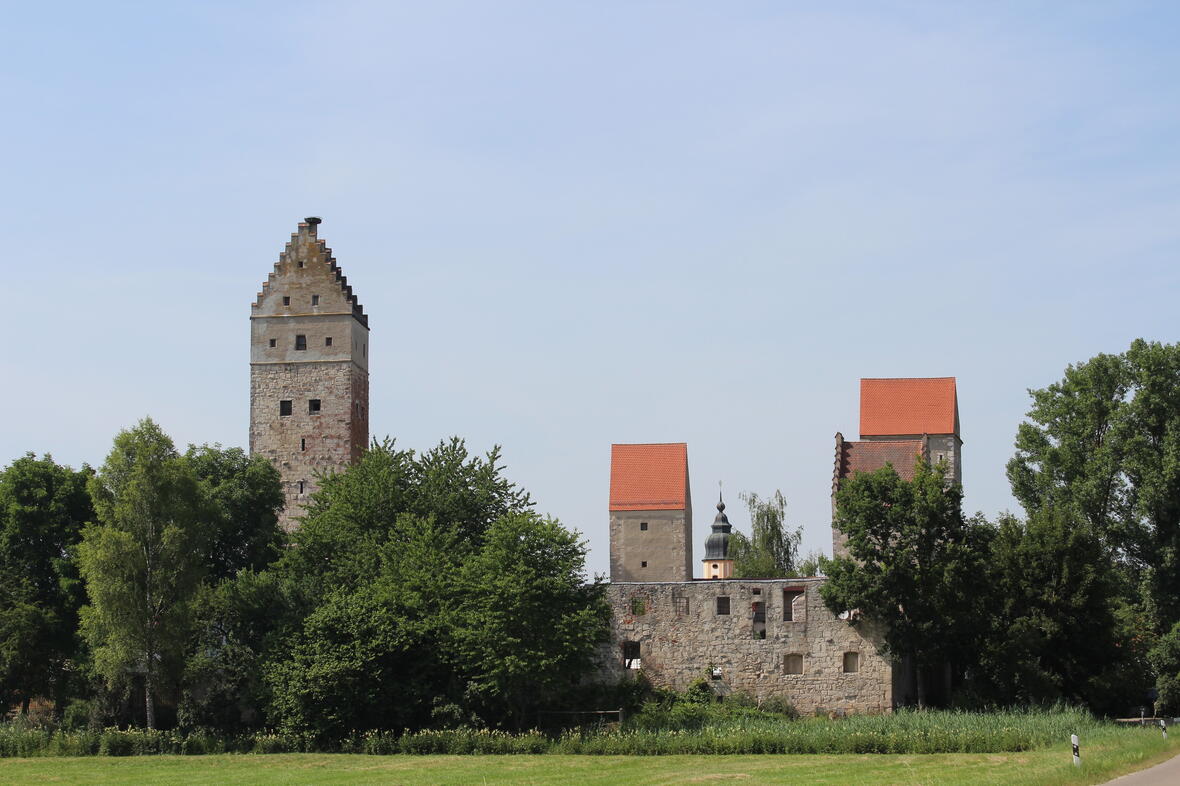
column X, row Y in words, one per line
column 315, row 300
column 723, row 604
column 301, row 488
column 301, row 342
column 303, row 443
column 313, row 406
column 284, row 407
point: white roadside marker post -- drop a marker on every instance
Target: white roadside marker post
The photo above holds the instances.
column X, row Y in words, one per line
column 1077, row 755
column 1164, row 727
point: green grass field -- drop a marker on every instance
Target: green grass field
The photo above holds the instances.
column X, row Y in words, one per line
column 1111, row 754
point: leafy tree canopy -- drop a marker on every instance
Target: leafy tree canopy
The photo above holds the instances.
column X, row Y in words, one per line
column 771, row 549
column 913, row 566
column 43, row 507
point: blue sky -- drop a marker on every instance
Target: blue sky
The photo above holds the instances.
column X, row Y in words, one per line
column 581, row 223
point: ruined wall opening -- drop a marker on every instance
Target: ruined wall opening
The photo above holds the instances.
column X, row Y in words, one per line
column 284, row 408
column 631, row 658
column 758, row 619
column 790, row 596
column 851, row 662
column 722, row 604
column 793, row 663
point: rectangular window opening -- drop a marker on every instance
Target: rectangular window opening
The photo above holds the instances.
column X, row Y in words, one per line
column 789, row 598
column 286, row 300
column 758, row 617
column 313, row 406
column 631, row 654
column 643, row 526
column 315, row 300
column 300, row 342
column 851, row 662
column 284, row 408
column 303, row 443
column 301, row 488
column 327, row 341
column 722, row 604
column 793, row 663
column 274, row 341
column 643, row 564
column 680, row 604
column 638, row 606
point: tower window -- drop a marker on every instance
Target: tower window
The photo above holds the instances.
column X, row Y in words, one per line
column 301, row 488
column 301, row 342
column 723, row 604
column 328, row 341
column 643, row 564
column 313, row 406
column 643, row 526
column 273, row 342
column 286, row 300
column 315, row 300
column 284, row 407
column 303, row 443
column 301, row 263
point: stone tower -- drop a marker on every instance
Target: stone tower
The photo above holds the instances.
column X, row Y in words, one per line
column 901, row 420
column 309, row 369
column 650, row 513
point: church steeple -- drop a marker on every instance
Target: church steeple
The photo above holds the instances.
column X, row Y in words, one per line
column 717, row 563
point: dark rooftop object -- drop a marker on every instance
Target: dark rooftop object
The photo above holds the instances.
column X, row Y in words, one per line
column 717, row 544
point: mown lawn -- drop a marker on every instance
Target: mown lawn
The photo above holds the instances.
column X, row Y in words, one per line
column 1112, row 754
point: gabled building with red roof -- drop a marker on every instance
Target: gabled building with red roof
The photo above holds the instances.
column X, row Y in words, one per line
column 650, row 513
column 901, row 421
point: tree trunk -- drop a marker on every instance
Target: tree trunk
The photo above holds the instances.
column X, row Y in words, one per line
column 148, row 704
column 24, row 705
column 920, row 678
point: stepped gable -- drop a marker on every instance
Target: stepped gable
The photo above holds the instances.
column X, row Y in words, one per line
column 306, row 246
column 649, row 477
column 908, row 407
column 854, row 457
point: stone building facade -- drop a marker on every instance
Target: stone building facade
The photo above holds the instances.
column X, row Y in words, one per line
column 761, row 637
column 309, row 369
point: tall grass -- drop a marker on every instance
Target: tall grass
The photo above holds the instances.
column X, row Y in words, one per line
column 653, row 732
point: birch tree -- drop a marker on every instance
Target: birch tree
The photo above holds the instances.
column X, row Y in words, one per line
column 142, row 561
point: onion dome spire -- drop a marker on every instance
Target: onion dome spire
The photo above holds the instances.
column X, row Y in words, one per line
column 717, row 544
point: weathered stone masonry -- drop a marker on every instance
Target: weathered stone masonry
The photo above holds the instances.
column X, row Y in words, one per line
column 680, row 637
column 309, row 369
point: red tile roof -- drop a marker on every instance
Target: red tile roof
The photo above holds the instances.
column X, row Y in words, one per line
column 649, row 477
column 871, row 456
column 896, row 407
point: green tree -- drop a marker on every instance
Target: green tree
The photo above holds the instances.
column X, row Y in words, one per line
column 43, row 507
column 771, row 549
column 1165, row 660
column 529, row 623
column 913, row 566
column 1104, row 442
column 429, row 594
column 142, row 561
column 1054, row 633
column 243, row 498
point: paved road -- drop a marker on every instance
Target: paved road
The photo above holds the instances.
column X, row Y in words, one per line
column 1166, row 774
